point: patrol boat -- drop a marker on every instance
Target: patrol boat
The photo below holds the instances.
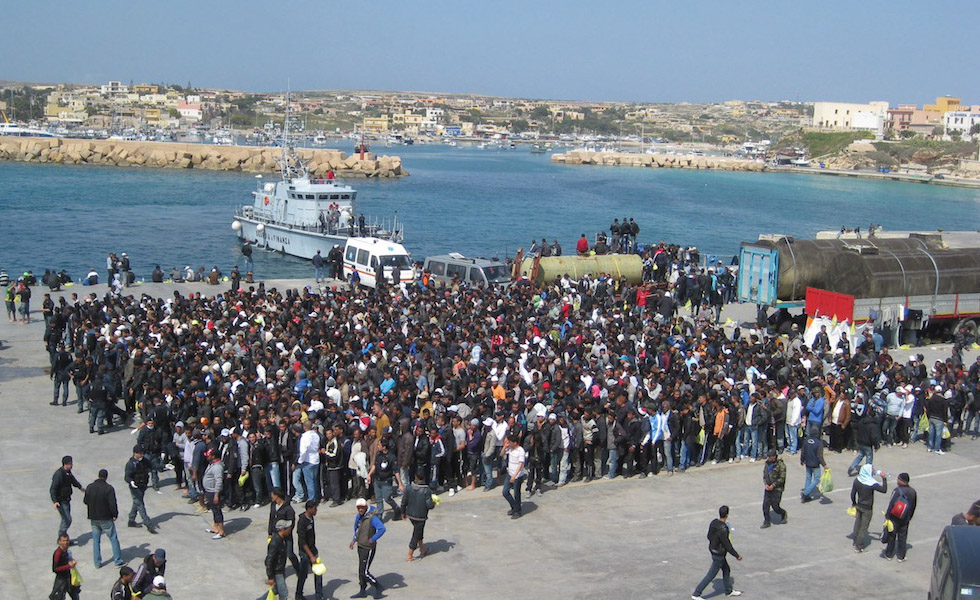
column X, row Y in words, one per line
column 302, row 214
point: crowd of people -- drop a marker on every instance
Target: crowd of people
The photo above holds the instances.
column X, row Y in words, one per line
column 262, row 396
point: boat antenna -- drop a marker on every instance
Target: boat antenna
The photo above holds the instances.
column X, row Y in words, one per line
column 284, row 165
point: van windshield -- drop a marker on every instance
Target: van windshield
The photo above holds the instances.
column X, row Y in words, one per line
column 395, row 260
column 497, row 273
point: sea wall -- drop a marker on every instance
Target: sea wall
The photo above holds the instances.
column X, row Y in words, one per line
column 671, row 161
column 252, row 159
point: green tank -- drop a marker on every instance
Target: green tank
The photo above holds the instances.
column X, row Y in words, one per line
column 617, row 266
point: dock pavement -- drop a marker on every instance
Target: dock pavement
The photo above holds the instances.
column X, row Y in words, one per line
column 636, row 538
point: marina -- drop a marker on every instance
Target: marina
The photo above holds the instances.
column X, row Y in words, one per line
column 466, row 200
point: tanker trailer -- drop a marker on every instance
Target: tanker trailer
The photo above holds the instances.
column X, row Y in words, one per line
column 926, row 282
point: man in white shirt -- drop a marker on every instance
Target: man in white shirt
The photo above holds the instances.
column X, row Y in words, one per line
column 516, row 459
column 309, row 461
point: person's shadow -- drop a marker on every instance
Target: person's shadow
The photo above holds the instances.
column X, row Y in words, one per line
column 391, row 581
column 438, row 546
column 331, row 586
column 133, row 552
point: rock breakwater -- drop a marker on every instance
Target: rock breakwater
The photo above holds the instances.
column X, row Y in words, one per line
column 251, row 159
column 670, row 161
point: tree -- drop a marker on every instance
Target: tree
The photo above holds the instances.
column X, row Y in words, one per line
column 540, row 112
column 906, row 134
column 518, row 125
column 174, row 113
column 975, row 129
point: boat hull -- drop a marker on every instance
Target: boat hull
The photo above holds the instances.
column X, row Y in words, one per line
column 294, row 242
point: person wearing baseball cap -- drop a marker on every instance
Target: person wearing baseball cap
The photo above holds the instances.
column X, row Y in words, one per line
column 275, row 557
column 153, row 565
column 368, row 529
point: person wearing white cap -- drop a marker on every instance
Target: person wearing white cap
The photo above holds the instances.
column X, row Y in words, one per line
column 159, row 589
column 368, row 529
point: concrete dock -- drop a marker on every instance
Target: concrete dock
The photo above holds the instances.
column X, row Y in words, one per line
column 606, row 540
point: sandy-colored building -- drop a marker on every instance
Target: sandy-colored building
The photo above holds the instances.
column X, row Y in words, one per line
column 845, row 116
column 945, row 103
column 375, row 124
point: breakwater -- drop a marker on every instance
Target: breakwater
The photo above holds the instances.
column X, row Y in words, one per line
column 670, row 161
column 251, row 159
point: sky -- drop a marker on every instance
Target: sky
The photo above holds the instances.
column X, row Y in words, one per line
column 612, row 50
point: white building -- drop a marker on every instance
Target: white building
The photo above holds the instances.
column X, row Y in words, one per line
column 190, row 112
column 960, row 121
column 113, row 88
column 844, row 116
column 436, row 115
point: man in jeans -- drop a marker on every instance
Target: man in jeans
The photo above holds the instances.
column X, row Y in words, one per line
column 61, row 484
column 100, row 498
column 866, row 433
column 812, row 458
column 516, row 459
column 936, row 412
column 720, row 546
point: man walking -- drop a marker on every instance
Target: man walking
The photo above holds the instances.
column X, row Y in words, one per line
column 308, row 554
column 900, row 509
column 774, row 479
column 368, row 529
column 138, row 478
column 516, row 459
column 318, row 266
column 275, row 558
column 61, row 484
column 103, row 510
column 812, row 458
column 416, row 504
column 720, row 546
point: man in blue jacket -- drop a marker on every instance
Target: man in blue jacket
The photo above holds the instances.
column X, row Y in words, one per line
column 368, row 529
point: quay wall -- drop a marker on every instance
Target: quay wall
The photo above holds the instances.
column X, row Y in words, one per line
column 251, row 159
column 674, row 161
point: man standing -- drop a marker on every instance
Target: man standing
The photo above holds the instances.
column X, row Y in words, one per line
column 318, row 266
column 213, row 483
column 416, row 504
column 774, row 479
column 60, row 374
column 382, row 475
column 275, row 558
column 138, row 478
column 247, row 254
column 61, row 484
column 516, row 459
column 308, row 554
column 720, row 546
column 900, row 510
column 103, row 510
column 367, row 530
column 812, row 458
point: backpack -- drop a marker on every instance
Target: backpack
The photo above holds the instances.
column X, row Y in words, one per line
column 899, row 508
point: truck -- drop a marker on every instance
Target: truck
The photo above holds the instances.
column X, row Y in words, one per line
column 916, row 284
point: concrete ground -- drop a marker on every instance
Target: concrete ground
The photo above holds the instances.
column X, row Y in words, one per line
column 609, row 539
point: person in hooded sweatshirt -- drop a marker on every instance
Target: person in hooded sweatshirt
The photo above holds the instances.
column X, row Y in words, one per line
column 862, row 498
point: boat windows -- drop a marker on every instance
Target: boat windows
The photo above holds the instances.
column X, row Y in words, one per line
column 335, row 196
column 311, row 197
column 323, row 197
column 456, row 271
column 437, row 268
column 362, row 256
column 351, row 253
column 395, row 260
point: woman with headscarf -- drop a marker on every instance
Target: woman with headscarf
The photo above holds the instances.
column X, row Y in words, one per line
column 862, row 498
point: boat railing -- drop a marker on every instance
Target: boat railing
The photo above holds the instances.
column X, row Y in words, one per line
column 379, row 228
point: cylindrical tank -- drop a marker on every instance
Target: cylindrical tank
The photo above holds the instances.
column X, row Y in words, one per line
column 617, row 266
column 875, row 267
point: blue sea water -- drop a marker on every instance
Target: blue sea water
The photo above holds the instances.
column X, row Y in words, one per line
column 477, row 202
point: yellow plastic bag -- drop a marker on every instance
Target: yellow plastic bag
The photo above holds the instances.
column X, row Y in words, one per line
column 923, row 422
column 701, row 437
column 319, row 569
column 76, row 577
column 272, row 594
column 946, row 433
column 889, row 525
column 242, row 478
column 852, row 511
column 826, row 484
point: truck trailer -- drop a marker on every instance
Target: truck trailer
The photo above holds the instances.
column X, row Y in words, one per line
column 917, row 284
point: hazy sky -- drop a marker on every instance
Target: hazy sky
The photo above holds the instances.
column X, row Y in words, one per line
column 648, row 50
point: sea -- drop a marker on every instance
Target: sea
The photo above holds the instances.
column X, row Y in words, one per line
column 478, row 202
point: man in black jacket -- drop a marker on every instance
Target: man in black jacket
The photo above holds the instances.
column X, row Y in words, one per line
column 61, row 484
column 900, row 509
column 103, row 510
column 309, row 555
column 275, row 557
column 720, row 546
column 280, row 510
column 138, row 478
column 416, row 504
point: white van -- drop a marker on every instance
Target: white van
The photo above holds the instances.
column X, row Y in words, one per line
column 372, row 256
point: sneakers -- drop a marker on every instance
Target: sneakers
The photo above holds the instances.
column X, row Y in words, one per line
column 217, row 536
column 940, row 452
column 133, row 524
column 901, row 560
column 452, row 492
column 765, row 525
column 858, row 550
column 785, row 519
column 751, row 460
column 696, row 597
column 734, row 593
